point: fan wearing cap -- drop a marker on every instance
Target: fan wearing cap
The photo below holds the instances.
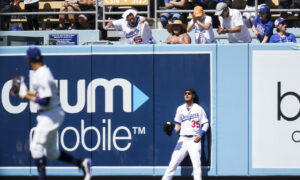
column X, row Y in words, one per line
column 263, row 25
column 249, row 17
column 178, row 34
column 172, row 5
column 202, row 25
column 282, row 36
column 231, row 22
column 136, row 28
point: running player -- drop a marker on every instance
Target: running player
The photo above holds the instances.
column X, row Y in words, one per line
column 50, row 117
column 192, row 122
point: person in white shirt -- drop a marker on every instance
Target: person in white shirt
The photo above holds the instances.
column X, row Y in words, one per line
column 32, row 20
column 50, row 116
column 231, row 22
column 136, row 28
column 192, row 124
column 203, row 27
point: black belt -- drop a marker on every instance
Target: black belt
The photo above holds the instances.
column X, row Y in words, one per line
column 187, row 135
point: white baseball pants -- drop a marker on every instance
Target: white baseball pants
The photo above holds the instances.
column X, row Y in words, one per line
column 185, row 145
column 44, row 141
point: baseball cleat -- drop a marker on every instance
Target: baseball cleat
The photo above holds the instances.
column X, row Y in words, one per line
column 86, row 167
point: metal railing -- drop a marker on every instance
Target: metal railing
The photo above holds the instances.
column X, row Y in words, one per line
column 104, row 12
column 157, row 11
column 96, row 13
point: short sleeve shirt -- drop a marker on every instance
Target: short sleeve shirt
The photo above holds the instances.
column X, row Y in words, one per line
column 263, row 28
column 191, row 120
column 233, row 20
column 276, row 38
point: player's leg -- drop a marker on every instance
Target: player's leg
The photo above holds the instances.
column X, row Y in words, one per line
column 37, row 151
column 54, row 154
column 194, row 150
column 178, row 155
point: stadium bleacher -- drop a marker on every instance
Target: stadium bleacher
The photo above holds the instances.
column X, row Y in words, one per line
column 49, row 22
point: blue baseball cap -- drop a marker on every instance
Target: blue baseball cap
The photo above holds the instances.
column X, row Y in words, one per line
column 34, row 54
column 279, row 21
column 264, row 9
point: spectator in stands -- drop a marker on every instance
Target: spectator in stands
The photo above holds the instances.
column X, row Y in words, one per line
column 263, row 25
column 32, row 20
column 136, row 28
column 203, row 27
column 232, row 23
column 178, row 34
column 85, row 19
column 68, row 6
column 4, row 20
column 249, row 17
column 282, row 36
column 211, row 4
column 286, row 4
column 172, row 5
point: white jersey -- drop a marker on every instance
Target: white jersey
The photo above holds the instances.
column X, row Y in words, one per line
column 191, row 120
column 44, row 85
column 235, row 19
column 134, row 33
column 203, row 36
column 30, row 1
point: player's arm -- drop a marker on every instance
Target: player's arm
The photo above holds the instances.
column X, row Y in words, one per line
column 177, row 128
column 202, row 132
column 31, row 96
column 204, row 127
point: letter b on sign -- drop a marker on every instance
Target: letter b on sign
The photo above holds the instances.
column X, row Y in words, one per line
column 280, row 97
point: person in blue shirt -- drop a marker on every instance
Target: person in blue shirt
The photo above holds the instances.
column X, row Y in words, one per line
column 263, row 25
column 282, row 36
column 172, row 5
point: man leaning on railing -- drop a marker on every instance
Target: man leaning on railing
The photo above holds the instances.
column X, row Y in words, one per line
column 136, row 28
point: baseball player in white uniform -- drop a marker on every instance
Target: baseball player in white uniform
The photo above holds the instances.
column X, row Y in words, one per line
column 50, row 116
column 191, row 121
column 136, row 28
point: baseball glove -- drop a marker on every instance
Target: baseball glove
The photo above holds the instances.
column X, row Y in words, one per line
column 18, row 88
column 168, row 128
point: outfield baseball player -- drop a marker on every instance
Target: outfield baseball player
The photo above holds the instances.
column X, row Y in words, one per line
column 192, row 122
column 136, row 28
column 50, row 116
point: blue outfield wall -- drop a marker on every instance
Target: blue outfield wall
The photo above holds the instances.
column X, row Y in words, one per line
column 117, row 99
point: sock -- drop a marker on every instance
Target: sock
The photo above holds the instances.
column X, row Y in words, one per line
column 69, row 159
column 41, row 167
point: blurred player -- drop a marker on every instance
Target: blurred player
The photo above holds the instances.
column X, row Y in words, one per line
column 50, row 117
column 192, row 122
column 136, row 28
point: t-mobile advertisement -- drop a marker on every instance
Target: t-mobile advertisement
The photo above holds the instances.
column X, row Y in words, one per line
column 115, row 104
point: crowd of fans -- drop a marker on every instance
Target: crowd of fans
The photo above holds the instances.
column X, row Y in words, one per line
column 137, row 29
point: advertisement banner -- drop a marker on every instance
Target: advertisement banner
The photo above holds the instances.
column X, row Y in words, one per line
column 122, row 106
column 275, row 109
